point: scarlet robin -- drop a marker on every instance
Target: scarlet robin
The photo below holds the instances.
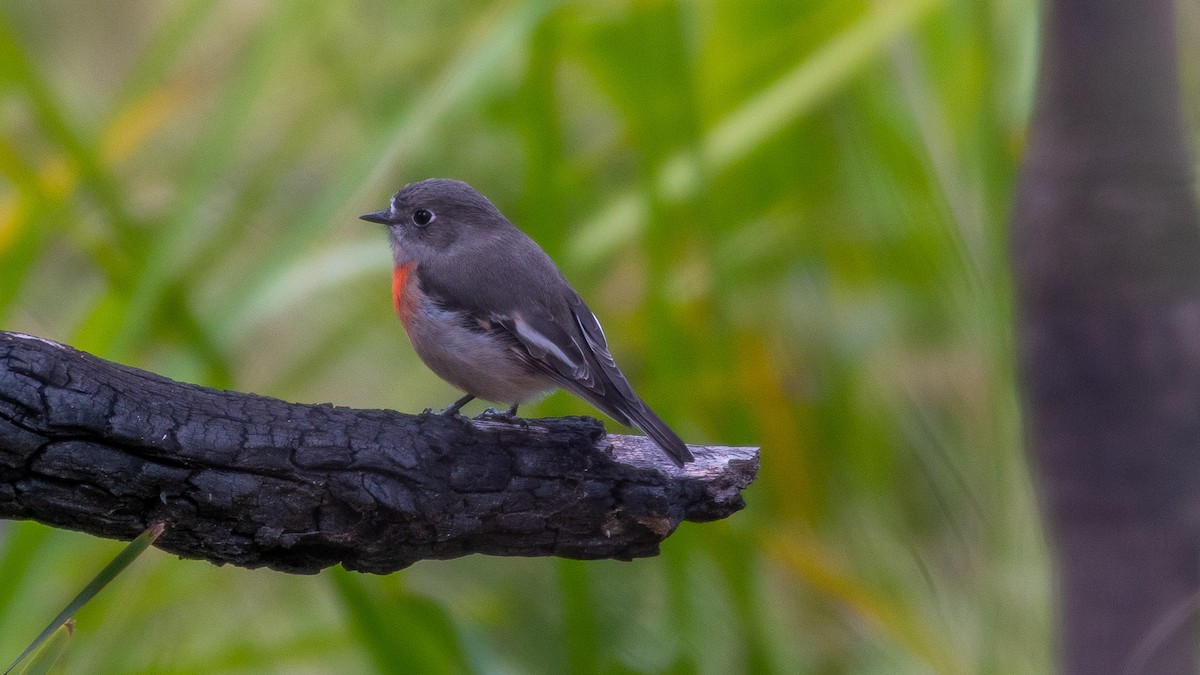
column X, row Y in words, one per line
column 489, row 312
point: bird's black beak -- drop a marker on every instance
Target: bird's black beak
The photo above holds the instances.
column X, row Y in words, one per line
column 382, row 217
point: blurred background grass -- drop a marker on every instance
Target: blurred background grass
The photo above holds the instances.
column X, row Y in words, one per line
column 788, row 214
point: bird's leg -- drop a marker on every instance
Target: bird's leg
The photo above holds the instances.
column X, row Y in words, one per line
column 493, row 414
column 453, row 408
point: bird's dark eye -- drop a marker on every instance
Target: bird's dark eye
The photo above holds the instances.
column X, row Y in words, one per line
column 422, row 217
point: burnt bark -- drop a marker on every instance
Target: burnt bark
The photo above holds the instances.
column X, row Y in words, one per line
column 90, row 445
column 1107, row 268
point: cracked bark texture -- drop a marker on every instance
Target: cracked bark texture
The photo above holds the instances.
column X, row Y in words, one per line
column 90, row 445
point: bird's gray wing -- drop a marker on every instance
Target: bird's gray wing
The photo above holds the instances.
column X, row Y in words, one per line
column 551, row 329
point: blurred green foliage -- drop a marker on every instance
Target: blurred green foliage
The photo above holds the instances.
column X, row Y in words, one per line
column 788, row 214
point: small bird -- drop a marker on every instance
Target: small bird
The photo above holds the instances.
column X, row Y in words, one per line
column 488, row 311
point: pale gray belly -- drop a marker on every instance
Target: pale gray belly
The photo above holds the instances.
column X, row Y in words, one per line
column 491, row 371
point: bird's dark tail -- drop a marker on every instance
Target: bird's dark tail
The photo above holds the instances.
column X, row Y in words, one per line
column 607, row 389
column 652, row 425
column 630, row 410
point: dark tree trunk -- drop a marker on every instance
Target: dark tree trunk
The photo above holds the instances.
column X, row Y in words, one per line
column 254, row 481
column 1106, row 245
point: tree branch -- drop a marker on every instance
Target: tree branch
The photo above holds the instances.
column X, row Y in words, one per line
column 237, row 478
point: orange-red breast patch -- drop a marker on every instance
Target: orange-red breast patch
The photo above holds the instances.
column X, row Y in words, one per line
column 404, row 292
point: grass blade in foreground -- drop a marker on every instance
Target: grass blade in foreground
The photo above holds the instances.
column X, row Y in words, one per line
column 110, row 572
column 51, row 652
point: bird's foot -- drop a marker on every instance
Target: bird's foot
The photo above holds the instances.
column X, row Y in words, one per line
column 494, row 415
